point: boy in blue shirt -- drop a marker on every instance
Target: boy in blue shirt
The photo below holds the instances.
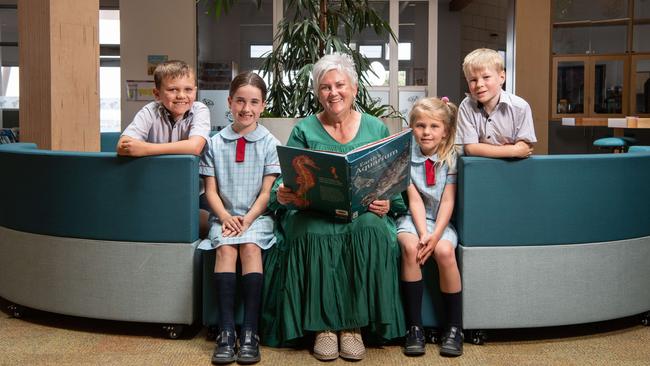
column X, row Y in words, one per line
column 173, row 124
column 492, row 122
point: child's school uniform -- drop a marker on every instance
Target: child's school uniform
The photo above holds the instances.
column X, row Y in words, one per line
column 431, row 194
column 510, row 121
column 239, row 183
column 154, row 124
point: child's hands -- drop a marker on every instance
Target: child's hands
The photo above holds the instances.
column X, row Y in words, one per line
column 231, row 226
column 425, row 250
column 424, row 239
column 246, row 223
column 522, row 150
column 132, row 147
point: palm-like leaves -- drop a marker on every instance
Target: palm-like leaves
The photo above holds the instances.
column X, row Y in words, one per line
column 303, row 38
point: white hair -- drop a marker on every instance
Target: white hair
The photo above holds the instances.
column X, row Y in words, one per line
column 335, row 61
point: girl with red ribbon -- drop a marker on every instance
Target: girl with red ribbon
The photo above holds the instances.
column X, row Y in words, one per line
column 239, row 168
column 426, row 230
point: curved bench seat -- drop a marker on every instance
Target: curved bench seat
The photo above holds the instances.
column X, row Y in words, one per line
column 545, row 241
column 553, row 240
column 101, row 236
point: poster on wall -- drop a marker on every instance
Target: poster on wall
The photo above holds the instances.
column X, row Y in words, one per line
column 217, row 102
column 139, row 90
column 153, row 61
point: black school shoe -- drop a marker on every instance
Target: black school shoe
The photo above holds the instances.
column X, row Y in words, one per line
column 249, row 348
column 414, row 342
column 224, row 350
column 452, row 343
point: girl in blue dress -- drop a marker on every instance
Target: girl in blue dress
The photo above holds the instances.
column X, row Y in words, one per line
column 426, row 230
column 239, row 169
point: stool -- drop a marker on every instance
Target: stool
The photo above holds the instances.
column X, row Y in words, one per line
column 616, row 144
column 639, row 149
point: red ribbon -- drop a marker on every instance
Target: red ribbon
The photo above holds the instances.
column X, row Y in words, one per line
column 430, row 170
column 241, row 150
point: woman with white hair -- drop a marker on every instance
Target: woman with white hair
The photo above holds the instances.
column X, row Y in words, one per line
column 333, row 278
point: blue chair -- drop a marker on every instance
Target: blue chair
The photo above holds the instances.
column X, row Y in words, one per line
column 615, row 144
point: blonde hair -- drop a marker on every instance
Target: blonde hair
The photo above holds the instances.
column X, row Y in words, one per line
column 482, row 58
column 447, row 112
column 171, row 69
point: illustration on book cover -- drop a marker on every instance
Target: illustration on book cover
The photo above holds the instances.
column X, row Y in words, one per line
column 345, row 184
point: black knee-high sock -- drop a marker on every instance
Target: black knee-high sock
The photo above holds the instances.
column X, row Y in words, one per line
column 453, row 304
column 252, row 289
column 412, row 292
column 226, row 282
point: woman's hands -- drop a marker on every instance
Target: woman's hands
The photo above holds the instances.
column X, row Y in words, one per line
column 286, row 196
column 379, row 207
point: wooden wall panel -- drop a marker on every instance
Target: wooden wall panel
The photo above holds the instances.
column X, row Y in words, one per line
column 59, row 79
column 33, row 25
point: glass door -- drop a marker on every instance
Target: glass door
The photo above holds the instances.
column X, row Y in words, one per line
column 640, row 86
column 570, row 79
column 609, row 97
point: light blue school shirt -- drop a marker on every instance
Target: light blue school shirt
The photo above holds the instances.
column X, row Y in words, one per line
column 510, row 121
column 153, row 124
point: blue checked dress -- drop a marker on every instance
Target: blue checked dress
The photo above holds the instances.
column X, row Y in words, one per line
column 239, row 184
column 431, row 195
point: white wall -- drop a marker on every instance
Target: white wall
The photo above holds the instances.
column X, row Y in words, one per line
column 153, row 27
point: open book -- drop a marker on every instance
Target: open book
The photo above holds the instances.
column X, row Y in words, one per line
column 345, row 184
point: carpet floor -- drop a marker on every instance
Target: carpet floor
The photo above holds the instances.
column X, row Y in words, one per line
column 41, row 338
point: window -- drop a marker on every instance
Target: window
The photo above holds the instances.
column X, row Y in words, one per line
column 595, row 73
column 372, row 51
column 403, row 51
column 109, row 71
column 9, row 67
column 258, row 51
column 238, row 40
column 412, row 53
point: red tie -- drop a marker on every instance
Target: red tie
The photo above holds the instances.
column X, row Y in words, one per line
column 241, row 150
column 430, row 169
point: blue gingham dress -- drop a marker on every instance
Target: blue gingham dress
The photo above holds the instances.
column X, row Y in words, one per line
column 431, row 195
column 239, row 184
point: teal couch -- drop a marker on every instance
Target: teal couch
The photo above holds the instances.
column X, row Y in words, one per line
column 100, row 236
column 108, row 141
column 545, row 241
column 553, row 240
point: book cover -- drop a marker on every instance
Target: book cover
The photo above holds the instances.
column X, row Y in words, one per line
column 343, row 185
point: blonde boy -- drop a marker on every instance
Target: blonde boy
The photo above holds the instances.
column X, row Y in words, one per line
column 492, row 122
column 174, row 123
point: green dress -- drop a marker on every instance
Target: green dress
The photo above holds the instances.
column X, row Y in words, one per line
column 329, row 275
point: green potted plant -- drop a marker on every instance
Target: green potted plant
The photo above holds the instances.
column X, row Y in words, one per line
column 313, row 29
